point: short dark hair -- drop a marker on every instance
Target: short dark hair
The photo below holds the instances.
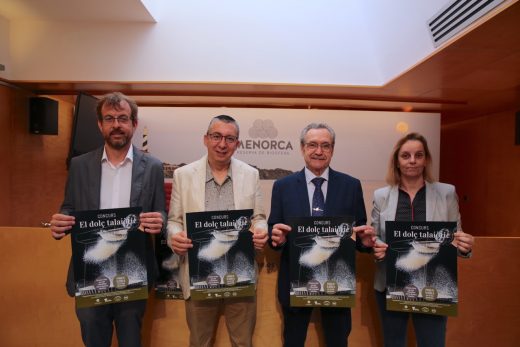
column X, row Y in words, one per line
column 226, row 119
column 114, row 100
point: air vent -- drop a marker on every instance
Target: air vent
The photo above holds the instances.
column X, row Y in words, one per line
column 457, row 15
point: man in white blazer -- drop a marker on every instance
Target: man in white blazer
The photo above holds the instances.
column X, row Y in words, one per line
column 217, row 181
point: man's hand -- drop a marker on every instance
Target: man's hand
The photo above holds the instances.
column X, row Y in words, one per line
column 463, row 242
column 151, row 222
column 60, row 224
column 380, row 250
column 367, row 235
column 180, row 243
column 279, row 234
column 259, row 238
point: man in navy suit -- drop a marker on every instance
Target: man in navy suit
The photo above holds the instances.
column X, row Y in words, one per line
column 294, row 196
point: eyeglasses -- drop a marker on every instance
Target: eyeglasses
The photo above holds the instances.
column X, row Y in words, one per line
column 119, row 119
column 313, row 146
column 216, row 137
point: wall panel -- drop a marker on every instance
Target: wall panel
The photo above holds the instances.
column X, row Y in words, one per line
column 480, row 158
column 5, row 154
column 37, row 168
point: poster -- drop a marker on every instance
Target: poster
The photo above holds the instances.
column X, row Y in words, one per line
column 421, row 273
column 322, row 262
column 108, row 255
column 167, row 284
column 222, row 260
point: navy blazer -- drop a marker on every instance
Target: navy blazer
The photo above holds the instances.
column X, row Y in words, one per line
column 291, row 199
column 82, row 192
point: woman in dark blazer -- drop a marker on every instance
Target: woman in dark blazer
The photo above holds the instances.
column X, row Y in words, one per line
column 412, row 195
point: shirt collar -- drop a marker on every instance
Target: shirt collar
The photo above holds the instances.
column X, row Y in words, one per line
column 309, row 176
column 209, row 174
column 129, row 155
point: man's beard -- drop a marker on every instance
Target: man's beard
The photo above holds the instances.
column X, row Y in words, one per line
column 120, row 143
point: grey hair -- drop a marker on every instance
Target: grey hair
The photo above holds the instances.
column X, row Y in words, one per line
column 317, row 126
column 226, row 119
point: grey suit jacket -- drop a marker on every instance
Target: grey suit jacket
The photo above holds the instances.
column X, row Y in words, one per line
column 188, row 195
column 82, row 192
column 441, row 205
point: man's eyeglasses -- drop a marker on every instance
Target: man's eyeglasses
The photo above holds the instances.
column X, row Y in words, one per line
column 119, row 119
column 313, row 146
column 216, row 137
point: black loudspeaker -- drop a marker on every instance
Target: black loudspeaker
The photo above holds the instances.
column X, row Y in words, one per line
column 43, row 116
column 517, row 129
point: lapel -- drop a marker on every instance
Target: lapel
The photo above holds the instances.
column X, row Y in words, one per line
column 391, row 204
column 237, row 177
column 138, row 169
column 431, row 201
column 198, row 188
column 332, row 201
column 303, row 194
column 94, row 180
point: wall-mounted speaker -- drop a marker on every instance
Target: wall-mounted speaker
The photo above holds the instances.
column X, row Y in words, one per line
column 43, row 116
column 517, row 129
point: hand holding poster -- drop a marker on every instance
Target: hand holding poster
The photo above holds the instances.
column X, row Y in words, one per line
column 322, row 262
column 222, row 258
column 108, row 254
column 421, row 264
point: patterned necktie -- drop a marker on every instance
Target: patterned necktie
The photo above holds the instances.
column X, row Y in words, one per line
column 318, row 201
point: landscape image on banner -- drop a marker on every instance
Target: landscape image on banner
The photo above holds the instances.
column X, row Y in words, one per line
column 322, row 262
column 221, row 262
column 108, row 253
column 421, row 267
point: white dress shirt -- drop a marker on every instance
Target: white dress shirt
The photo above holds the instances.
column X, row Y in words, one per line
column 116, row 181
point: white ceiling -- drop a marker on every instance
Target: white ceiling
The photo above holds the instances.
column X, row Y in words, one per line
column 326, row 42
column 76, row 10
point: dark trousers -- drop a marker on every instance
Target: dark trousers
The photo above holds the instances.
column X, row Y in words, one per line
column 336, row 324
column 430, row 330
column 97, row 324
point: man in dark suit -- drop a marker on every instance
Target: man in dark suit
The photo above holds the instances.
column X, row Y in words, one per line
column 114, row 176
column 317, row 190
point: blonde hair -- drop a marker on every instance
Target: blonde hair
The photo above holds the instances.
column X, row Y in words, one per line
column 393, row 175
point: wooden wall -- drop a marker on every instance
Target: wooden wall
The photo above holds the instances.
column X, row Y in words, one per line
column 33, row 182
column 480, row 158
column 5, row 153
column 36, row 311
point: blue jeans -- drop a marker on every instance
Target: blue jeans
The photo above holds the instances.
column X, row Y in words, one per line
column 430, row 330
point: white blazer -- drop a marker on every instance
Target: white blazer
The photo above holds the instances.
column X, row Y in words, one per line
column 442, row 205
column 188, row 195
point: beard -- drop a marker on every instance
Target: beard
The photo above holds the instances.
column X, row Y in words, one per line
column 119, row 143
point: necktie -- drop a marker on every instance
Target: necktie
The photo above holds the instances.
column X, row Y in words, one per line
column 318, row 201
